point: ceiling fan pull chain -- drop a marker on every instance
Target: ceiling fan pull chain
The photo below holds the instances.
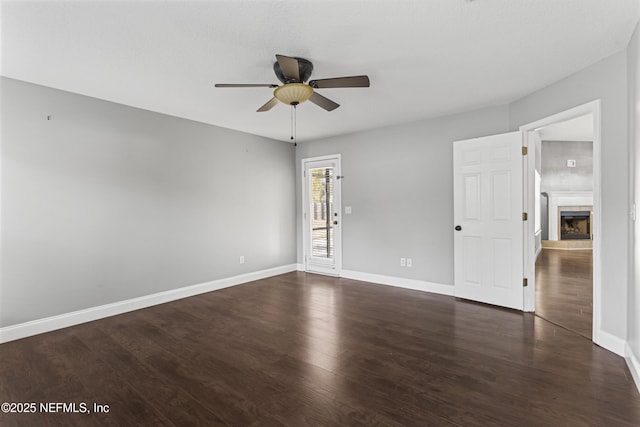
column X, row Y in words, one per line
column 295, row 126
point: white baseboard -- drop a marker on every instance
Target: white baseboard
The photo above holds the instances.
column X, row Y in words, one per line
column 418, row 285
column 538, row 251
column 610, row 342
column 634, row 365
column 300, row 267
column 34, row 327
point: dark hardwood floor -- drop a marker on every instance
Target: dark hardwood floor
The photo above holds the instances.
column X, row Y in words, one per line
column 564, row 289
column 301, row 349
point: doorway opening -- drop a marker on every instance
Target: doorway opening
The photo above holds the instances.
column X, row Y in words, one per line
column 562, row 244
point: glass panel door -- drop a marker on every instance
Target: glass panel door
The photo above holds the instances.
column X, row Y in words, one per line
column 321, row 215
column 321, row 212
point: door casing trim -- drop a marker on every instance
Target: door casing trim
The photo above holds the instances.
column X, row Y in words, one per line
column 594, row 108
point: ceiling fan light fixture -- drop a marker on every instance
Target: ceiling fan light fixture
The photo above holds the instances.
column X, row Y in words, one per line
column 293, row 72
column 293, row 93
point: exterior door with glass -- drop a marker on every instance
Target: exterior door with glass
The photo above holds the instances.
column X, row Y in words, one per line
column 321, row 215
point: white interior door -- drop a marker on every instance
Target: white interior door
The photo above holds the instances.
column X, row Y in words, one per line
column 488, row 235
column 321, row 214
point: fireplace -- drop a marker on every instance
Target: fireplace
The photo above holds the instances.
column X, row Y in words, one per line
column 575, row 225
column 560, row 201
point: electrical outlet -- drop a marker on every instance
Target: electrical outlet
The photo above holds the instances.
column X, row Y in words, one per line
column 409, row 262
column 403, row 262
column 347, row 210
column 241, row 259
column 571, row 163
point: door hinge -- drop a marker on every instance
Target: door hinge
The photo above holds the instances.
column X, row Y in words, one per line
column 525, row 151
column 525, row 282
column 525, row 216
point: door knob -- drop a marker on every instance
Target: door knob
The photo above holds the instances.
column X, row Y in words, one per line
column 458, row 228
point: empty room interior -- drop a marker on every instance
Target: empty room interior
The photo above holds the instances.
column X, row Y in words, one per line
column 320, row 213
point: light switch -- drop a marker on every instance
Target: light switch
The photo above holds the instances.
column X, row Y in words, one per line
column 571, row 163
column 347, row 210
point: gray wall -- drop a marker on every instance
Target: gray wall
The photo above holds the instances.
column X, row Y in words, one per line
column 633, row 308
column 106, row 202
column 399, row 182
column 556, row 176
column 605, row 80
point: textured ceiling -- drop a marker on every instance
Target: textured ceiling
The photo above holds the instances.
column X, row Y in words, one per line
column 424, row 58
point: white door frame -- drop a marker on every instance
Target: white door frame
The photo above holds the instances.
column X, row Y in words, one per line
column 593, row 108
column 337, row 232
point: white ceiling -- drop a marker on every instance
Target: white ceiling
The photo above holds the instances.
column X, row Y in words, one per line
column 578, row 129
column 424, row 58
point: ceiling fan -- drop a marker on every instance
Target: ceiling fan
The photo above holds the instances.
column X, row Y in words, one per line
column 293, row 72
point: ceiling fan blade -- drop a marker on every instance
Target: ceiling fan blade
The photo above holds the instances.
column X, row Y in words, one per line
column 289, row 67
column 323, row 102
column 353, row 81
column 244, row 85
column 269, row 105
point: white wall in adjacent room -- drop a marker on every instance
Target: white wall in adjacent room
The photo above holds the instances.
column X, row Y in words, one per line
column 557, row 176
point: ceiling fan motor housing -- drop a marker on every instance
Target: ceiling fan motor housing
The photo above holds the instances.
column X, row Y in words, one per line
column 305, row 69
column 294, row 72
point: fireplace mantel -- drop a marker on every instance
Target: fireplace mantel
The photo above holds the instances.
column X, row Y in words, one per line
column 565, row 198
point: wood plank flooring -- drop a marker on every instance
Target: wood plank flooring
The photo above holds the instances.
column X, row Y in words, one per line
column 564, row 289
column 302, row 349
